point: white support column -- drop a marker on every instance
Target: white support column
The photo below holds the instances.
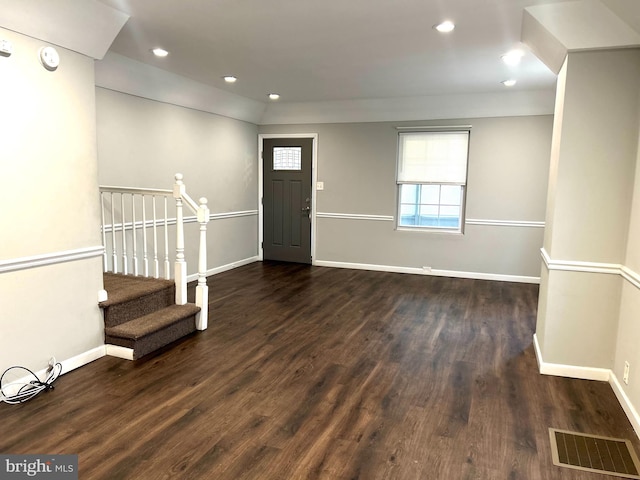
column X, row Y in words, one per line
column 180, row 270
column 202, row 290
column 594, row 157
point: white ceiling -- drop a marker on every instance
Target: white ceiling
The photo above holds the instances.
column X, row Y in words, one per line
column 332, row 50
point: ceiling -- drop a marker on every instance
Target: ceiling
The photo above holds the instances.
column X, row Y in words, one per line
column 309, row 51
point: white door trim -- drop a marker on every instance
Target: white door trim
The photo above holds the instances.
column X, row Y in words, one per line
column 314, row 164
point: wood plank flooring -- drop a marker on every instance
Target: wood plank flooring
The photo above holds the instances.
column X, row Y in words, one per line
column 318, row 373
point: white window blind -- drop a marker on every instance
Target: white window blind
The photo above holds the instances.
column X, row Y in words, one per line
column 433, row 157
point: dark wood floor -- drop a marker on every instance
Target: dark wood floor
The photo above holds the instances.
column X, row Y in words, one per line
column 309, row 373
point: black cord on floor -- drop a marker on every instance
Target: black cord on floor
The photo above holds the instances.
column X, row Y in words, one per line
column 27, row 389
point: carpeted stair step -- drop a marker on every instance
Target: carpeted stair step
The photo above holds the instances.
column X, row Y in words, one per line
column 155, row 330
column 132, row 296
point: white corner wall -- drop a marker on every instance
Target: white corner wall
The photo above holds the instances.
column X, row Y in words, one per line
column 589, row 207
column 50, row 210
column 589, row 303
column 628, row 335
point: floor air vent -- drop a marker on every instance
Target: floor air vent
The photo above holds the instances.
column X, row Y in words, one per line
column 592, row 453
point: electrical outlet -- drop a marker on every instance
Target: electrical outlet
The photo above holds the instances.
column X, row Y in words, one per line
column 52, row 363
column 6, row 48
column 426, row 269
column 102, row 296
column 625, row 375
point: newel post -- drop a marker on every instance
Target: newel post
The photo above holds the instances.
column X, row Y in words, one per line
column 202, row 290
column 180, row 269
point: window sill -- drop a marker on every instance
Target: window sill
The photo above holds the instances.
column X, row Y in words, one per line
column 437, row 231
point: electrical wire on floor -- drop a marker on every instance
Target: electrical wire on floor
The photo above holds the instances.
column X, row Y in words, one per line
column 27, row 388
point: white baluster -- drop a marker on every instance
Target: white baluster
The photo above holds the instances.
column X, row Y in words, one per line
column 202, row 290
column 167, row 272
column 125, row 267
column 105, row 265
column 114, row 249
column 133, row 229
column 156, row 265
column 180, row 266
column 131, row 263
column 145, row 256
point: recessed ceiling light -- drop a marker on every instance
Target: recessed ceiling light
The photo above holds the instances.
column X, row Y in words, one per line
column 513, row 57
column 509, row 83
column 160, row 52
column 274, row 96
column 445, row 27
column 230, row 79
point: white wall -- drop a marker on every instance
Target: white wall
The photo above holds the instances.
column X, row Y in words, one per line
column 628, row 335
column 508, row 170
column 144, row 143
column 50, row 209
column 591, row 188
column 589, row 303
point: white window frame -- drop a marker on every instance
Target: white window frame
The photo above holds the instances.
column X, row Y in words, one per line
column 460, row 180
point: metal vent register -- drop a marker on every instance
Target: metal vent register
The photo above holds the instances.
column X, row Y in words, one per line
column 592, row 453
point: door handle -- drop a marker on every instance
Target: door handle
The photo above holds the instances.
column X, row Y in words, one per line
column 306, row 209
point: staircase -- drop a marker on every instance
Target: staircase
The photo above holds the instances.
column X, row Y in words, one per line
column 141, row 315
column 144, row 309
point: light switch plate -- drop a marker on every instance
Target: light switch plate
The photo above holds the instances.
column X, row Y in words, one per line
column 319, row 185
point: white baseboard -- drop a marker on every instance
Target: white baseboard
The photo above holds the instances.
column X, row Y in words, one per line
column 571, row 371
column 119, row 352
column 224, row 268
column 67, row 366
column 627, row 406
column 433, row 272
column 588, row 373
column 82, row 359
column 536, row 348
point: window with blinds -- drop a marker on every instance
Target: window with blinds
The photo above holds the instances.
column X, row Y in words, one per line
column 431, row 179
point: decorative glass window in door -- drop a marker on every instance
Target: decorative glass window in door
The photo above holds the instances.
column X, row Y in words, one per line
column 287, row 158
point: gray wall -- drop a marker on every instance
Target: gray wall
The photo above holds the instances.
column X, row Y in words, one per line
column 507, row 181
column 143, row 143
column 49, row 208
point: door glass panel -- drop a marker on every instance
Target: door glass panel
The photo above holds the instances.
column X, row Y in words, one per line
column 287, row 158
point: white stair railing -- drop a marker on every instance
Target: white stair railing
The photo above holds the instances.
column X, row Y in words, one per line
column 121, row 239
column 202, row 217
